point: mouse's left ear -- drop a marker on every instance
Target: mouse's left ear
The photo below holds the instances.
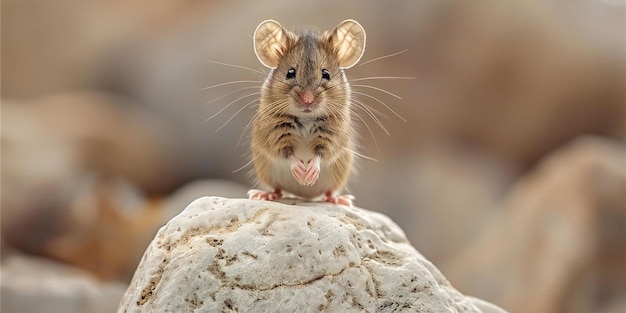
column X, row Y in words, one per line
column 348, row 41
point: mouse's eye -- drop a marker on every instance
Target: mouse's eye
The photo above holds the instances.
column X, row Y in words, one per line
column 325, row 74
column 291, row 73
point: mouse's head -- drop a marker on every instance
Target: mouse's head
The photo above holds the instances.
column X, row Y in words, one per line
column 307, row 78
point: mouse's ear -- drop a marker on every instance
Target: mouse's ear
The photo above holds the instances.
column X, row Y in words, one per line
column 270, row 43
column 348, row 41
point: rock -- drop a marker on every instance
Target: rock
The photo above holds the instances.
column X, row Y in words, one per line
column 33, row 285
column 235, row 255
column 558, row 245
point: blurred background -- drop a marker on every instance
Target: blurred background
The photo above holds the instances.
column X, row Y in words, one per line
column 509, row 172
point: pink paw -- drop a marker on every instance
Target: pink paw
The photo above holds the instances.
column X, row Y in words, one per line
column 256, row 194
column 305, row 173
column 343, row 199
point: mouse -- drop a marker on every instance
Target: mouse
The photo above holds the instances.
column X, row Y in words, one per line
column 303, row 139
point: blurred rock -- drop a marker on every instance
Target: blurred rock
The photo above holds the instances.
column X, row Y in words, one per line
column 75, row 171
column 255, row 256
column 40, row 173
column 201, row 188
column 115, row 222
column 441, row 197
column 559, row 245
column 33, row 285
column 105, row 226
column 53, row 137
column 521, row 78
column 514, row 79
column 112, row 225
column 54, row 46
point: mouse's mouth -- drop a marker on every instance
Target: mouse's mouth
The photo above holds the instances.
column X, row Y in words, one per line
column 304, row 110
column 309, row 108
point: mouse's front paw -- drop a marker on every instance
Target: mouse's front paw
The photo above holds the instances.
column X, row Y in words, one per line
column 306, row 173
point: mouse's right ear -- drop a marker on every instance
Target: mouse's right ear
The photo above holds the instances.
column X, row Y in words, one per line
column 270, row 43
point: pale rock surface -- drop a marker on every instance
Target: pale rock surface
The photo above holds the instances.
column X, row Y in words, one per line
column 235, row 255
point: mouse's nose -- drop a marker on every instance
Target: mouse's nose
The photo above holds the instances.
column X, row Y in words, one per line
column 307, row 97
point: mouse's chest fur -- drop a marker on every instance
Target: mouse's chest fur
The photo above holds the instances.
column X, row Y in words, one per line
column 322, row 136
column 304, row 139
column 305, row 133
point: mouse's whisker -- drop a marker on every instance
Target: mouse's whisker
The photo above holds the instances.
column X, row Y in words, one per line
column 231, row 103
column 245, row 130
column 244, row 166
column 260, row 112
column 369, row 129
column 274, row 108
column 336, row 85
column 375, row 111
column 280, row 108
column 238, row 111
column 336, row 112
column 231, row 93
column 383, row 57
column 382, row 78
column 378, row 112
column 360, row 155
column 231, row 83
column 371, row 114
column 237, row 66
column 381, row 102
column 379, row 89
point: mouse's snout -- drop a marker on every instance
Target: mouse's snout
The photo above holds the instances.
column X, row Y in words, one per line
column 306, row 99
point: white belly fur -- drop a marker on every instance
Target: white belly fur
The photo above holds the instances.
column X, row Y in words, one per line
column 288, row 183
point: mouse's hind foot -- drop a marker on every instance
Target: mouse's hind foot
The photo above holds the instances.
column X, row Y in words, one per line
column 256, row 194
column 342, row 199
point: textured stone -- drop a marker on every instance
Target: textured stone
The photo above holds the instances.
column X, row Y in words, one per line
column 223, row 255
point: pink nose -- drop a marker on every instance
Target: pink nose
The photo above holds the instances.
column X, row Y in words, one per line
column 307, row 97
